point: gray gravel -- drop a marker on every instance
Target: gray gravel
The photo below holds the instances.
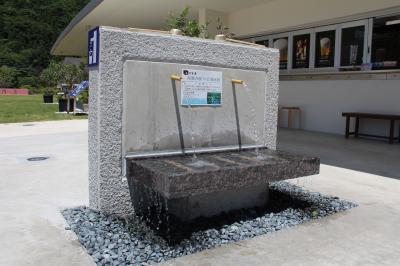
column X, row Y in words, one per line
column 112, row 241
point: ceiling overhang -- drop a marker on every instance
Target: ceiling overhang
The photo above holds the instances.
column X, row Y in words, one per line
column 150, row 14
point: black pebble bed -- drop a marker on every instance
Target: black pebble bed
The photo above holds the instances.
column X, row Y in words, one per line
column 113, row 241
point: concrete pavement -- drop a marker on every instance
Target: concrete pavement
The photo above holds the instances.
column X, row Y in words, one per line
column 367, row 235
column 31, row 194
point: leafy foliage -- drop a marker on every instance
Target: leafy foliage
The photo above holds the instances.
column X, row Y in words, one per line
column 182, row 21
column 57, row 73
column 28, row 29
column 8, row 76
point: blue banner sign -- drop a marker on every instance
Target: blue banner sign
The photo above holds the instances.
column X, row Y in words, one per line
column 93, row 47
column 78, row 89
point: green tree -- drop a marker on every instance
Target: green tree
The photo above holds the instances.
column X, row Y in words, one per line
column 60, row 73
column 28, row 30
column 51, row 76
column 8, row 76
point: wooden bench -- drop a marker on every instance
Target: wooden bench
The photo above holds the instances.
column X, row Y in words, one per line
column 391, row 118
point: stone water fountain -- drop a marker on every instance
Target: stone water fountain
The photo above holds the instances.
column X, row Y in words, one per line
column 184, row 127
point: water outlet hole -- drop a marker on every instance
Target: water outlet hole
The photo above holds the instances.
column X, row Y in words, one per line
column 37, row 159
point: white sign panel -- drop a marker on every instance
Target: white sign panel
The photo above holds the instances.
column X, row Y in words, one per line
column 200, row 87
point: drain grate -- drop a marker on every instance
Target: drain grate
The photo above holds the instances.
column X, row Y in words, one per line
column 28, row 125
column 36, row 159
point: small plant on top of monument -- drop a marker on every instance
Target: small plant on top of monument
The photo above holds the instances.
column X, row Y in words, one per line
column 223, row 29
column 189, row 27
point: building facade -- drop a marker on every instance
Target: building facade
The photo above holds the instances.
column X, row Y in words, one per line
column 336, row 56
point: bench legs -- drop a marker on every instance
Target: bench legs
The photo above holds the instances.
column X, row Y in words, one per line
column 347, row 133
column 391, row 133
column 357, row 127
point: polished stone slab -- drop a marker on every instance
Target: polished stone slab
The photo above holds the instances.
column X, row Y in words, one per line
column 181, row 176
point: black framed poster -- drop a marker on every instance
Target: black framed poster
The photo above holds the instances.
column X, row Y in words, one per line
column 352, row 48
column 301, row 51
column 282, row 45
column 325, row 48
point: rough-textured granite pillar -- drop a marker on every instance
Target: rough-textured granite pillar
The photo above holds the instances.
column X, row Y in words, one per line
column 108, row 187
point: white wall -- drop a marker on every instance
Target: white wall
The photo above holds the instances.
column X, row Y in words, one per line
column 280, row 14
column 323, row 102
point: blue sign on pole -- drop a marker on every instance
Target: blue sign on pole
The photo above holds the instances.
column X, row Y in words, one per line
column 78, row 89
column 93, row 47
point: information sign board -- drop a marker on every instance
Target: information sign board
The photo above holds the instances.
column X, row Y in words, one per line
column 200, row 87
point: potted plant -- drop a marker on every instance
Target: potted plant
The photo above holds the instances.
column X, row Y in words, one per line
column 48, row 96
column 182, row 24
column 223, row 31
column 69, row 75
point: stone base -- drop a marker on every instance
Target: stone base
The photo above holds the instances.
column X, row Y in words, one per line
column 211, row 204
column 179, row 177
column 150, row 204
column 215, row 183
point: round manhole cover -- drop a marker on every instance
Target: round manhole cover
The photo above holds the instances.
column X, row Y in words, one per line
column 36, row 159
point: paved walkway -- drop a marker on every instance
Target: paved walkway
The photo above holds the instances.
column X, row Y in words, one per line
column 366, row 235
column 31, row 194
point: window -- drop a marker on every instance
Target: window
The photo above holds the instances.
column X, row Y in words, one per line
column 301, row 51
column 352, row 47
column 282, row 45
column 362, row 44
column 325, row 48
column 386, row 43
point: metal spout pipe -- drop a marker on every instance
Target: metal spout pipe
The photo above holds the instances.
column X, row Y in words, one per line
column 237, row 81
column 176, row 77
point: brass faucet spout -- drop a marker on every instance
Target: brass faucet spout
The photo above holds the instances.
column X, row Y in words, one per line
column 176, row 77
column 237, row 81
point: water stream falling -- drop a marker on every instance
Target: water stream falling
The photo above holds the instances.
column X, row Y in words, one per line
column 195, row 161
column 253, row 120
column 192, row 136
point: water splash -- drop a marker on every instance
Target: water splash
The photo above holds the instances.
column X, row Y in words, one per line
column 201, row 164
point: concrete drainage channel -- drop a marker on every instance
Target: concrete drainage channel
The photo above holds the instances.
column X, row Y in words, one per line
column 113, row 241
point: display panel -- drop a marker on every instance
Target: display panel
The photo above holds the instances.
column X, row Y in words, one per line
column 325, row 48
column 282, row 45
column 386, row 43
column 352, row 48
column 301, row 51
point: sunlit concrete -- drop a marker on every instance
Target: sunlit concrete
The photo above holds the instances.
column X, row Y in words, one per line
column 366, row 235
column 31, row 194
column 32, row 229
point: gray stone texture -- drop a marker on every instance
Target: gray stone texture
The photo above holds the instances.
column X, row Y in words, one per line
column 108, row 188
column 179, row 176
column 150, row 119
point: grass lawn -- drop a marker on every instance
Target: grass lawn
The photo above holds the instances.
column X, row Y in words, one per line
column 29, row 108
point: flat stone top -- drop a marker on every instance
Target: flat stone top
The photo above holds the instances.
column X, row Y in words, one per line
column 181, row 176
column 121, row 44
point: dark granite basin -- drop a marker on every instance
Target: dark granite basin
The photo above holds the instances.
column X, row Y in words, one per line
column 179, row 176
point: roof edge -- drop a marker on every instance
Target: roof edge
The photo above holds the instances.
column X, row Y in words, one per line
column 83, row 13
